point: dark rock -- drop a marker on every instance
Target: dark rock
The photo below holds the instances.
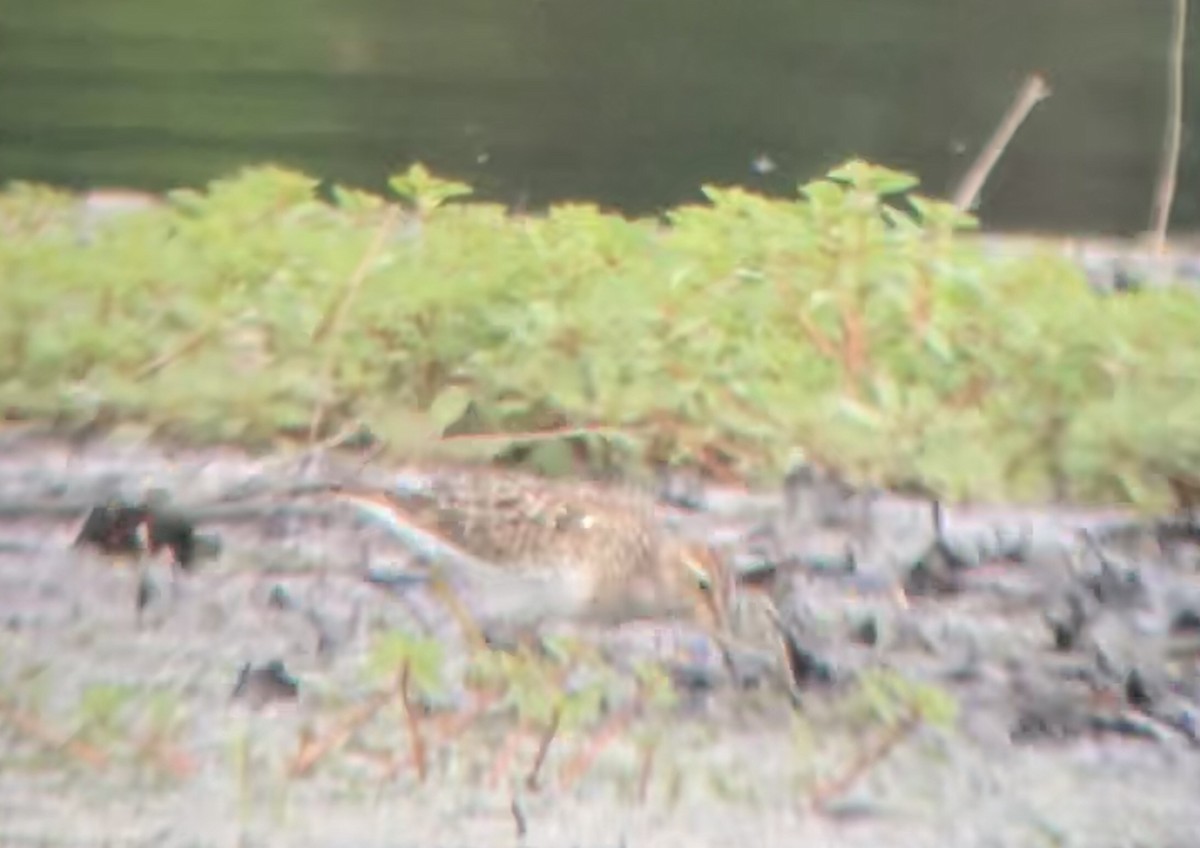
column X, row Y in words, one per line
column 113, row 528
column 1069, row 624
column 936, row 573
column 804, row 665
column 1185, row 621
column 815, row 496
column 1138, row 690
column 866, row 631
column 119, row 528
column 1116, row 586
column 265, row 684
column 280, row 599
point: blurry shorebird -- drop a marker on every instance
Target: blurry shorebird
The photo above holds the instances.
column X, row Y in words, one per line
column 541, row 551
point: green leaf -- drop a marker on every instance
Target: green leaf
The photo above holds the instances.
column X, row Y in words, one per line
column 394, row 650
column 423, row 190
column 823, row 193
column 875, row 179
column 860, row 413
column 449, row 406
column 939, row 214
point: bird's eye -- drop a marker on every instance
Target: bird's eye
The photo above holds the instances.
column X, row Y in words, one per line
column 703, row 578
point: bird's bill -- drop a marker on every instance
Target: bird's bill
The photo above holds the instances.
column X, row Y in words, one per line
column 715, row 584
column 718, row 595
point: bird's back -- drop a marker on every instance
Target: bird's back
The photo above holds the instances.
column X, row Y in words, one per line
column 597, row 551
column 522, row 522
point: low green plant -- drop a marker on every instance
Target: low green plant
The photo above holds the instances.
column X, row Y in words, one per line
column 424, row 658
column 103, row 714
column 859, row 322
column 561, row 692
column 884, row 698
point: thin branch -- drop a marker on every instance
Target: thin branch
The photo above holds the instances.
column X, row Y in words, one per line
column 519, row 820
column 649, row 751
column 553, row 434
column 334, row 315
column 445, row 730
column 864, row 762
column 185, row 347
column 856, row 348
column 539, row 759
column 504, row 757
column 416, row 740
column 581, row 762
column 1164, row 195
column 1032, row 92
column 818, row 339
column 332, row 320
column 313, row 751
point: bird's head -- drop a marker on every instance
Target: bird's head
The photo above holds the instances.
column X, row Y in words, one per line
column 705, row 578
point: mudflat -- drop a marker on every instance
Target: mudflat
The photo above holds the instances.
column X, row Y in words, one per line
column 1060, row 636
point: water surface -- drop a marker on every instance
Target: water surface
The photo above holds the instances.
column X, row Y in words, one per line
column 632, row 104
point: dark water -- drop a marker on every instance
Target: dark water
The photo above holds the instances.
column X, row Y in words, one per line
column 630, row 103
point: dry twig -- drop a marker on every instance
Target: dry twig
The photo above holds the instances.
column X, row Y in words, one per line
column 1032, row 92
column 1164, row 194
column 505, row 755
column 578, row 765
column 415, row 739
column 336, row 313
column 864, row 762
column 314, row 750
column 189, row 344
column 539, row 759
column 649, row 754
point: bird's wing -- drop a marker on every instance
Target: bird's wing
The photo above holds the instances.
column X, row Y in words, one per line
column 511, row 519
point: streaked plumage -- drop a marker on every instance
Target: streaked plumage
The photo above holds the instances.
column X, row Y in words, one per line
column 551, row 550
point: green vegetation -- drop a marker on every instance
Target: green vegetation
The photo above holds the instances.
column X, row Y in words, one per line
column 855, row 324
column 111, row 724
column 524, row 722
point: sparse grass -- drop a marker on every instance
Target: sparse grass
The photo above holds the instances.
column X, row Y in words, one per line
column 529, row 724
column 108, row 726
column 565, row 698
column 852, row 323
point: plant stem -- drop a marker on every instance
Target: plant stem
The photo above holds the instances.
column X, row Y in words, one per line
column 1032, row 92
column 331, row 321
column 416, row 740
column 1164, row 194
column 531, row 781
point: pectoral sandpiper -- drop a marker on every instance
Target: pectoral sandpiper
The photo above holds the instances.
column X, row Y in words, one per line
column 542, row 551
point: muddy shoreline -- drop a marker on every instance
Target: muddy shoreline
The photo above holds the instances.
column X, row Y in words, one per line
column 1072, row 657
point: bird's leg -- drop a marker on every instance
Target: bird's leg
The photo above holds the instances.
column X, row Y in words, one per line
column 783, row 659
column 726, row 643
column 718, row 627
column 471, row 630
column 734, row 651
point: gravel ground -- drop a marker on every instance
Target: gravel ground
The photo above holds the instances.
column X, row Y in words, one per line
column 732, row 766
